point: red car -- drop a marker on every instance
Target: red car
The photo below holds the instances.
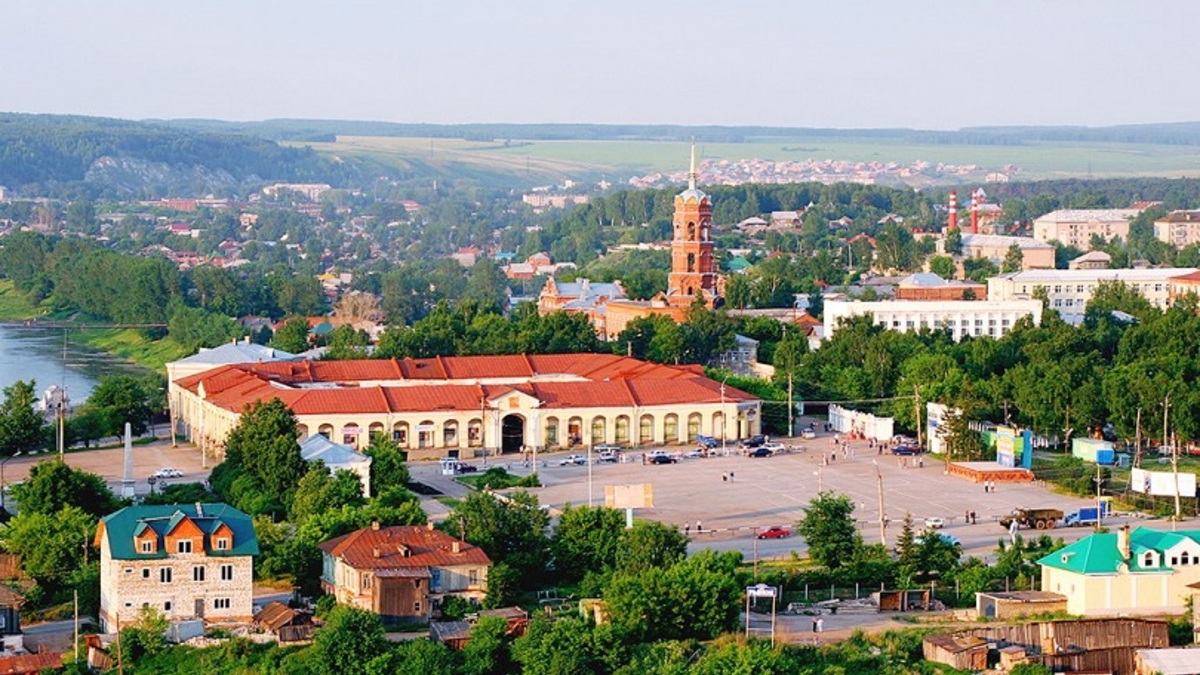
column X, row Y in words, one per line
column 775, row 533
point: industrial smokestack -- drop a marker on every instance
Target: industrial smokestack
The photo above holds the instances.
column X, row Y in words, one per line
column 974, row 213
column 952, row 222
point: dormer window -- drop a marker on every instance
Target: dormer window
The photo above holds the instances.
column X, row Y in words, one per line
column 146, row 546
column 222, row 543
column 1148, row 560
column 1184, row 559
column 184, row 546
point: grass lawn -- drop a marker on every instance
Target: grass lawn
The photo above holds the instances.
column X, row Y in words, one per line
column 13, row 304
column 130, row 344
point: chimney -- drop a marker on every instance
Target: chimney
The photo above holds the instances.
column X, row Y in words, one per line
column 245, row 339
column 375, row 525
column 952, row 221
column 429, row 526
column 456, row 547
column 1123, row 542
column 974, row 213
column 375, row 552
column 199, row 510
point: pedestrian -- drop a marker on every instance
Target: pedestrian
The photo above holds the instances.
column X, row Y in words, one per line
column 730, row 476
column 966, row 517
column 920, row 462
column 814, row 622
column 699, row 528
column 687, row 529
column 985, row 486
column 972, row 517
column 643, row 459
column 724, row 478
column 820, row 624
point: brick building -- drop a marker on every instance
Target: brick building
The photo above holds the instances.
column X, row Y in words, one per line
column 927, row 286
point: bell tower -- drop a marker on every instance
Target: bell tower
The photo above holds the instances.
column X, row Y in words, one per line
column 693, row 269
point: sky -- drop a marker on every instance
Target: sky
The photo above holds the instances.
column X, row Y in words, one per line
column 929, row 64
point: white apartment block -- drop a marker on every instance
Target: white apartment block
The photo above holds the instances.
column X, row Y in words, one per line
column 962, row 318
column 1178, row 228
column 1075, row 227
column 1070, row 290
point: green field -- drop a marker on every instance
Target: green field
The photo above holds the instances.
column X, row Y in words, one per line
column 14, row 306
column 619, row 159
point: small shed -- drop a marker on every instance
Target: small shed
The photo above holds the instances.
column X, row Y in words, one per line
column 517, row 618
column 1011, row 656
column 1178, row 661
column 1018, row 603
column 902, row 601
column 285, row 623
column 965, row 652
column 453, row 634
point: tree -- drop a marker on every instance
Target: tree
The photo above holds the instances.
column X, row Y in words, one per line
column 486, row 653
column 292, row 336
column 52, row 485
column 51, row 544
column 943, row 266
column 586, row 539
column 828, row 527
column 349, row 639
column 388, row 469
column 648, row 544
column 319, row 492
column 415, row 657
column 1014, row 259
column 959, row 439
column 512, row 532
column 262, row 459
column 21, row 428
column 566, row 646
column 146, row 637
column 122, row 398
column 696, row 598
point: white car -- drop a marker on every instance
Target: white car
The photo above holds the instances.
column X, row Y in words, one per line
column 808, row 433
column 573, row 459
column 698, row 453
column 775, row 448
column 935, row 523
column 168, row 472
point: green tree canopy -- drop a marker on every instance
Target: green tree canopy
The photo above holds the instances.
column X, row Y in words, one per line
column 828, row 529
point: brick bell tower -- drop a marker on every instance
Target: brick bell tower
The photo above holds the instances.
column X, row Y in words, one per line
column 693, row 269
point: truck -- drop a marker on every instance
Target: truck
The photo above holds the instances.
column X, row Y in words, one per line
column 1089, row 515
column 1041, row 519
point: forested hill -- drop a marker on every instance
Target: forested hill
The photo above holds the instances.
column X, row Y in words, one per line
column 59, row 154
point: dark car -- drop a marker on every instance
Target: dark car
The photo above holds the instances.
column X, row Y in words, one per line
column 774, row 533
column 760, row 452
column 662, row 459
column 463, row 467
column 906, row 450
column 754, row 441
column 707, row 441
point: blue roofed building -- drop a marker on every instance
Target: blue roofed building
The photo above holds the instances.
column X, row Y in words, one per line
column 1139, row 571
column 187, row 561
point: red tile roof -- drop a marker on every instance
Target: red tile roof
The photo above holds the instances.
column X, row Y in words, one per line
column 29, row 664
column 389, row 385
column 403, row 547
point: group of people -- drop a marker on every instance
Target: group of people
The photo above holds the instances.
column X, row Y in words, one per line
column 989, row 486
column 969, row 517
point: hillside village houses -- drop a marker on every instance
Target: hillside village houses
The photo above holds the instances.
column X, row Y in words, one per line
column 189, row 562
column 470, row 404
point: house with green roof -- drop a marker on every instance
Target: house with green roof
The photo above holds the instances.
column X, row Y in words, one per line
column 1139, row 571
column 187, row 561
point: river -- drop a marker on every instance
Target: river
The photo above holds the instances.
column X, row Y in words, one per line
column 38, row 354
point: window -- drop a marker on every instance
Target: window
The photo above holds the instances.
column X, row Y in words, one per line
column 147, row 546
column 1148, row 560
column 473, row 577
column 184, row 546
column 417, row 583
column 167, row 606
column 128, row 570
column 1185, row 559
column 223, row 544
column 145, row 572
column 164, row 575
column 400, row 436
column 221, row 603
column 226, row 572
column 198, row 573
column 417, row 607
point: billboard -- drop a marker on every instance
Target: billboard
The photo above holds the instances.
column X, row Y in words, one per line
column 634, row 496
column 1162, row 483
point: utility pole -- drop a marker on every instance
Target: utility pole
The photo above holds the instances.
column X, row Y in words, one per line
column 1137, row 441
column 791, row 426
column 917, row 401
column 1099, row 508
column 76, row 625
column 882, row 517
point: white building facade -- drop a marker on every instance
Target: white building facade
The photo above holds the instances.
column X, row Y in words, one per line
column 1069, row 291
column 962, row 318
column 1076, row 227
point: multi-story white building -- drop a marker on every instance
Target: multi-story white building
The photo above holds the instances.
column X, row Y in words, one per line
column 1069, row 290
column 961, row 318
column 188, row 562
column 1075, row 227
column 1178, row 228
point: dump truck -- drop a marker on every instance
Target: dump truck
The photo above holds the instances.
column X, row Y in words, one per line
column 1041, row 519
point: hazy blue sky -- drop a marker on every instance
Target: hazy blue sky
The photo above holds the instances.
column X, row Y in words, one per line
column 837, row 63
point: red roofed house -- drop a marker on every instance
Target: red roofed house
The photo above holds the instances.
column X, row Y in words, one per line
column 402, row 573
column 471, row 405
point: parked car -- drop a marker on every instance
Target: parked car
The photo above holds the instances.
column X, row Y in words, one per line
column 760, row 452
column 463, row 467
column 708, row 441
column 609, row 457
column 935, row 523
column 662, row 458
column 754, row 441
column 698, row 453
column 606, row 447
column 168, row 472
column 774, row 533
column 906, row 450
column 808, row 433
column 774, row 447
column 573, row 459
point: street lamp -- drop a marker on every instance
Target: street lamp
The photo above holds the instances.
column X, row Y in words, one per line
column 882, row 517
column 4, row 487
column 724, row 422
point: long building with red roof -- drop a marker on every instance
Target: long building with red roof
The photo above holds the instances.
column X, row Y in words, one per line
column 474, row 404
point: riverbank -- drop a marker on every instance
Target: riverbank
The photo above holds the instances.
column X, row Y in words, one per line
column 126, row 343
